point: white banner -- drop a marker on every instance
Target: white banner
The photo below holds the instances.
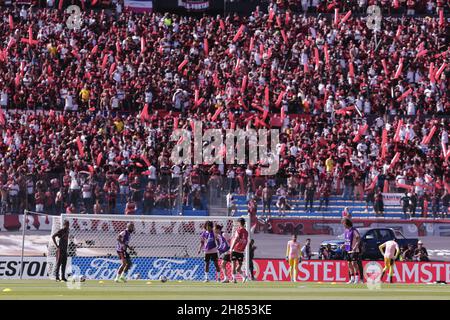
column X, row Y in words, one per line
column 33, row 268
column 392, row 199
column 139, row 5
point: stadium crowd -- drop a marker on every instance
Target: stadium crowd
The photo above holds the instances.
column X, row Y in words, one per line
column 357, row 108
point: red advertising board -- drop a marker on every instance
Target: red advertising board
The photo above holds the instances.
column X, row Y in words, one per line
column 337, row 271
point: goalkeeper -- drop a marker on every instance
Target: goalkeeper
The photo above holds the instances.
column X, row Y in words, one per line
column 390, row 251
column 123, row 241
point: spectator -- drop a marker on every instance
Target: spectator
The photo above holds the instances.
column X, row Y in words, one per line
column 405, row 202
column 306, row 250
column 420, row 254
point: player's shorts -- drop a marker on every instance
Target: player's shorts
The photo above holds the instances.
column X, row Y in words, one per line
column 354, row 256
column 388, row 262
column 125, row 257
column 293, row 263
column 226, row 257
column 237, row 256
column 211, row 257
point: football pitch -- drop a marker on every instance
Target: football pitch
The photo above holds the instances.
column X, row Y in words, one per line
column 187, row 290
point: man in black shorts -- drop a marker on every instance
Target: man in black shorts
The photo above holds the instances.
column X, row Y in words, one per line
column 61, row 250
column 237, row 249
column 208, row 242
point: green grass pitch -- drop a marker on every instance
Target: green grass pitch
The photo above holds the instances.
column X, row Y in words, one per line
column 182, row 290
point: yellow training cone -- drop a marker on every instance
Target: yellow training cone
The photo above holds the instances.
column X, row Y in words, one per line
column 7, row 290
column 101, row 282
column 148, row 282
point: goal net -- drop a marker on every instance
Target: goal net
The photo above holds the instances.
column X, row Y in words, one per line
column 162, row 246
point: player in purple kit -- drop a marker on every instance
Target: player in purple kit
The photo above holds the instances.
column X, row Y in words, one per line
column 352, row 247
column 224, row 250
column 123, row 241
column 208, row 242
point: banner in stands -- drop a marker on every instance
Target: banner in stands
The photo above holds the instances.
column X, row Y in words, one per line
column 392, row 199
column 194, row 5
column 330, row 226
column 14, row 222
column 337, row 271
column 139, row 5
column 33, row 268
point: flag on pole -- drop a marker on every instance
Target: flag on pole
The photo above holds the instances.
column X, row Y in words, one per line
column 80, row 147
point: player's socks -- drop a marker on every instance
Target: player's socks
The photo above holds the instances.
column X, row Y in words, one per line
column 218, row 277
column 233, row 277
column 356, row 279
column 225, row 279
column 352, row 278
column 206, row 277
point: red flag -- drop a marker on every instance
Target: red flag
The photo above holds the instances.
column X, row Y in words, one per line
column 384, row 138
column 336, row 16
column 386, row 186
column 11, row 22
column 2, row 118
column 386, row 71
column 431, row 73
column 182, row 64
column 361, row 132
column 440, row 70
column 196, row 93
column 405, row 94
column 288, row 18
column 104, row 62
column 266, row 96
column 175, row 123
column 222, row 25
column 80, row 147
column 252, row 43
column 327, row 55
column 316, row 57
column 441, row 17
column 76, row 54
column 94, row 50
column 144, row 158
column 428, row 138
column 278, row 19
column 279, row 99
column 112, row 68
column 271, row 14
column 216, row 114
column 239, row 33
column 351, row 69
column 265, row 114
column 205, row 46
column 144, row 114
column 61, row 2
column 394, row 160
column 421, row 53
column 200, row 101
column 282, row 115
column 397, row 131
column 143, row 48
column 244, row 84
column 345, row 18
column 371, row 186
column 99, row 159
column 399, row 69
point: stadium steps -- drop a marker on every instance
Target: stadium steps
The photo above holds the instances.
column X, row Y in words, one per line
column 336, row 205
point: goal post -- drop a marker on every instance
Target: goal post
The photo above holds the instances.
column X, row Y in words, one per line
column 161, row 246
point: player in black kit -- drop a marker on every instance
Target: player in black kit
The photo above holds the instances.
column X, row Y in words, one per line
column 61, row 251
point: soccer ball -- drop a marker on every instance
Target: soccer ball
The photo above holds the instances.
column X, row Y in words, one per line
column 163, row 278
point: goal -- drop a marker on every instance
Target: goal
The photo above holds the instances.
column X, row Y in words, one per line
column 162, row 246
